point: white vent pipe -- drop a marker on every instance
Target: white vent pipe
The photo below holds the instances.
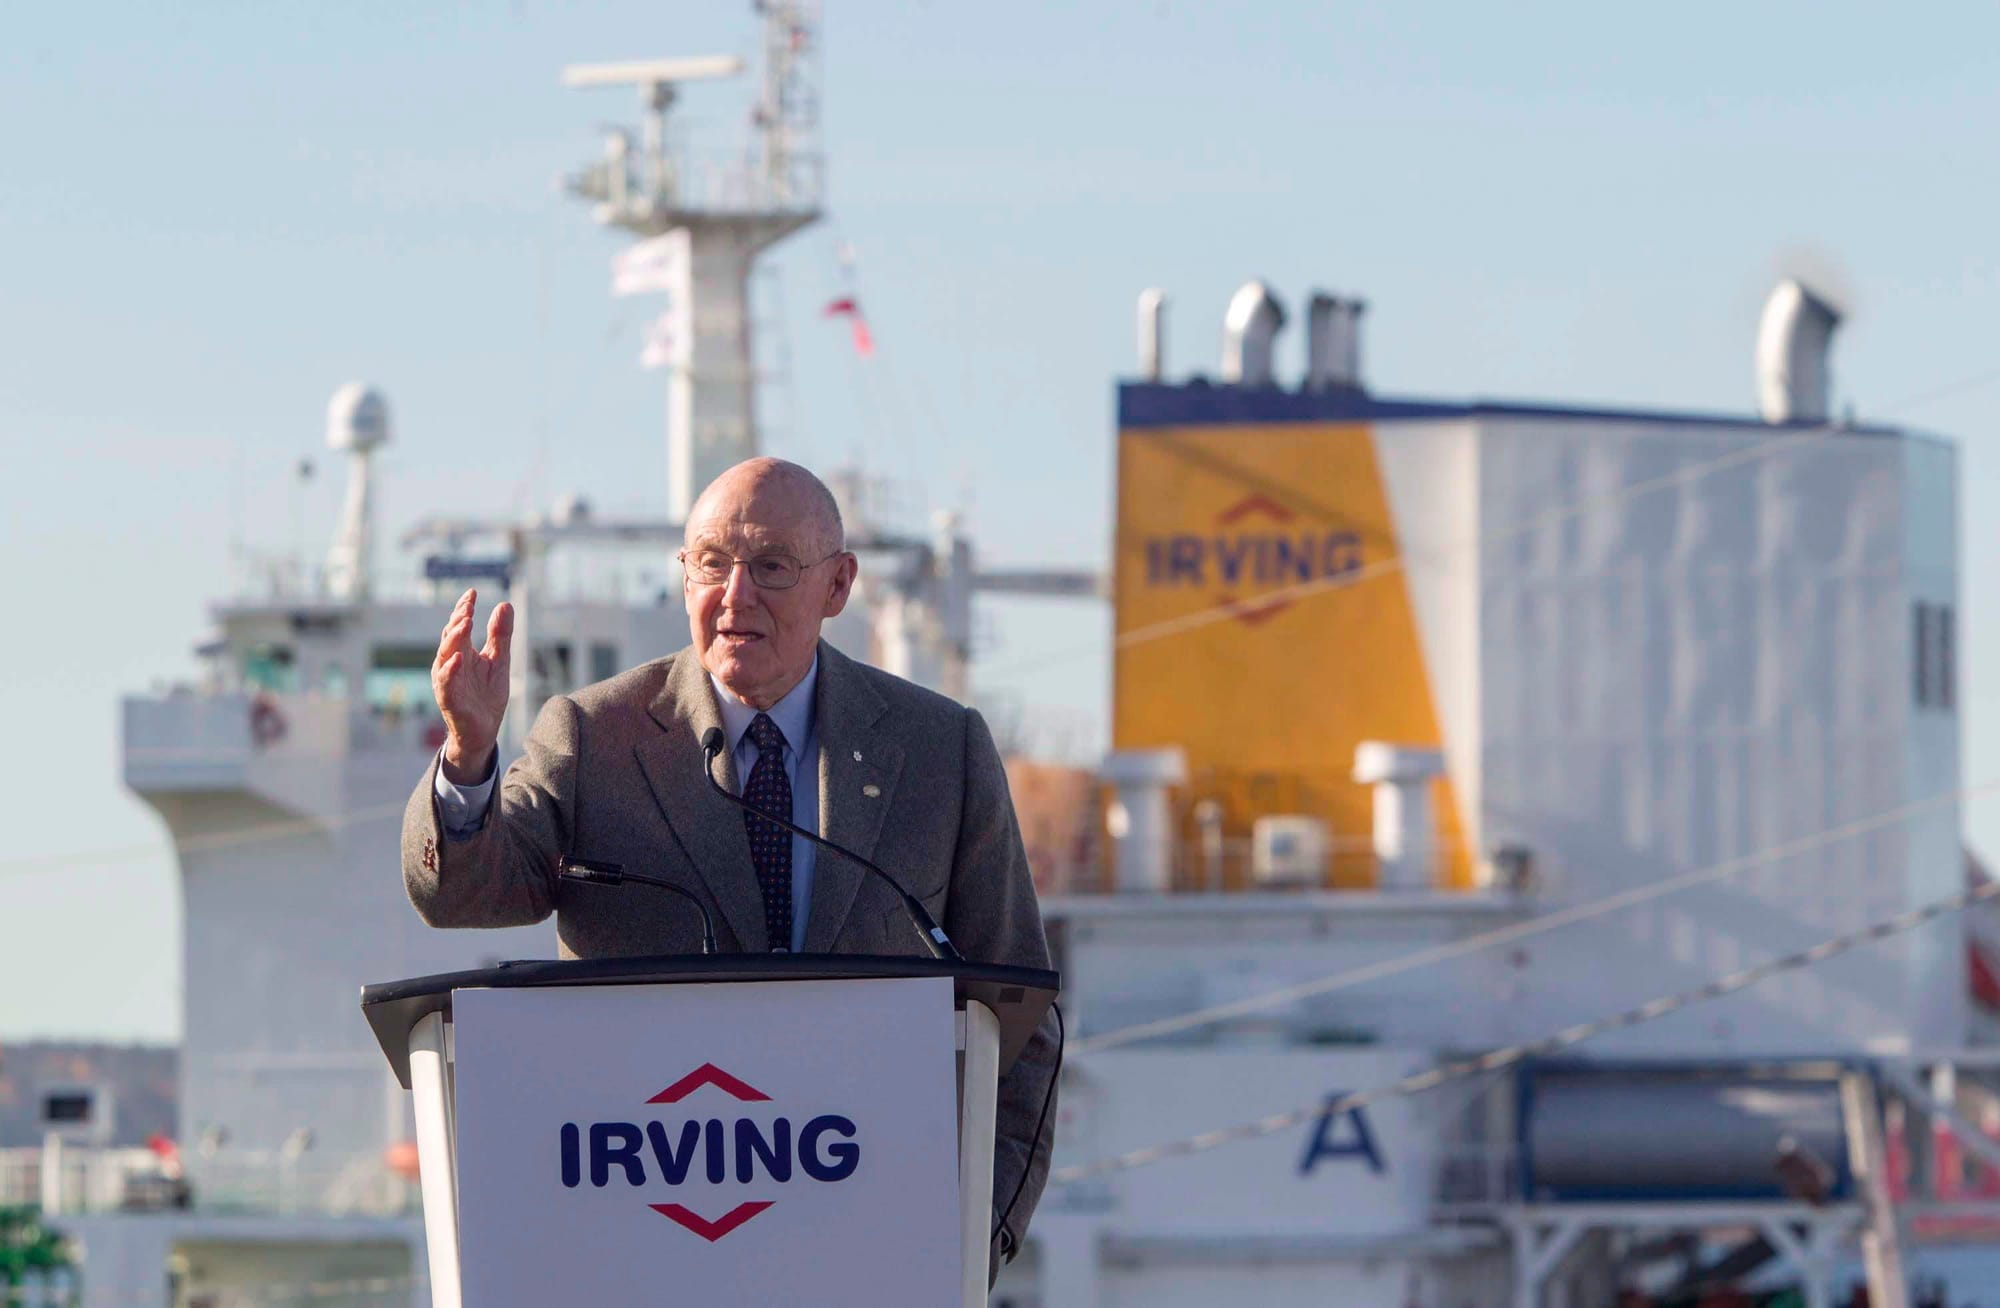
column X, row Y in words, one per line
column 1141, row 820
column 1152, row 334
column 1333, row 342
column 1406, row 844
column 1249, row 331
column 1793, row 379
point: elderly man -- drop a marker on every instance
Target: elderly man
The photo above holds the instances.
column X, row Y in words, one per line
column 613, row 772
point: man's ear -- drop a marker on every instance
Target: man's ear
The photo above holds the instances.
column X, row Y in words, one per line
column 837, row 594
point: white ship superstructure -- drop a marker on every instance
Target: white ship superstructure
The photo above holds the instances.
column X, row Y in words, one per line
column 1445, row 727
column 1439, row 728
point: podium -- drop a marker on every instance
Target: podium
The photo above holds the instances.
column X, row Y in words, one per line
column 744, row 1128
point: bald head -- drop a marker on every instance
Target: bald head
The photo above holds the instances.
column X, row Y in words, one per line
column 773, row 491
column 774, row 566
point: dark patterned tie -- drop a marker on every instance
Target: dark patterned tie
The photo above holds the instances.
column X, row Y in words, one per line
column 771, row 845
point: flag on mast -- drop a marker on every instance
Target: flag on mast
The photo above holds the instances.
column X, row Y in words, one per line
column 658, row 352
column 850, row 308
column 658, row 263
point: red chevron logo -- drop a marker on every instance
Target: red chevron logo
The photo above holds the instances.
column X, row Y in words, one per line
column 1250, row 504
column 701, row 1226
column 1252, row 611
column 707, row 1074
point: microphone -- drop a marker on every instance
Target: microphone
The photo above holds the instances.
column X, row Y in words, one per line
column 611, row 874
column 933, row 935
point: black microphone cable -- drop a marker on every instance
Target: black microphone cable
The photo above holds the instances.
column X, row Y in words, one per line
column 932, row 934
column 934, row 938
column 1041, row 1119
column 611, row 874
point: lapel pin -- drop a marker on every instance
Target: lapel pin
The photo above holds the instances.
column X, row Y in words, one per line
column 872, row 791
column 857, row 756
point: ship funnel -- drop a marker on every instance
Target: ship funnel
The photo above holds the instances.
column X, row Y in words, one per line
column 1249, row 330
column 1333, row 342
column 1792, row 343
column 357, row 420
column 1152, row 334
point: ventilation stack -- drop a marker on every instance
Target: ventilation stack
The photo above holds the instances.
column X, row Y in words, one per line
column 1406, row 845
column 1333, row 342
column 1249, row 333
column 1793, row 380
column 1152, row 334
column 1141, row 821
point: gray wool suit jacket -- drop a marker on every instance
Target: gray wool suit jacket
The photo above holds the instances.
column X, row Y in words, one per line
column 613, row 772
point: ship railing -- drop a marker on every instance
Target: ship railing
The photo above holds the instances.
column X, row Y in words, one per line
column 41, row 1287
column 231, row 728
column 699, row 181
column 1077, row 859
column 271, row 1182
column 193, row 732
column 84, row 1181
column 385, row 729
column 251, row 1183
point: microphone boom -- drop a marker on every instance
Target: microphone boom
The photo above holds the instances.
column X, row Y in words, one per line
column 933, row 936
column 611, row 874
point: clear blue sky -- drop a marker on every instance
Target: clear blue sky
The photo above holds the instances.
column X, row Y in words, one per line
column 210, row 215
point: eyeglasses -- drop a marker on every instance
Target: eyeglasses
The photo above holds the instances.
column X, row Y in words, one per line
column 767, row 571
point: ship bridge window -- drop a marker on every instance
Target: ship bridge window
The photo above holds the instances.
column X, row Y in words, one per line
column 271, row 667
column 603, row 661
column 552, row 669
column 1934, row 659
column 399, row 678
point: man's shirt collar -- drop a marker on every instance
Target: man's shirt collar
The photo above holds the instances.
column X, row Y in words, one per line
column 793, row 714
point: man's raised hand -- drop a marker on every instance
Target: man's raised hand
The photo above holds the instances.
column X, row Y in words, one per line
column 471, row 688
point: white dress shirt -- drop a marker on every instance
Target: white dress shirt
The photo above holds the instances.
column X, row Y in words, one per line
column 462, row 809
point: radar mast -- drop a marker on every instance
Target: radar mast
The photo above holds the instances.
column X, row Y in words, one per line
column 702, row 230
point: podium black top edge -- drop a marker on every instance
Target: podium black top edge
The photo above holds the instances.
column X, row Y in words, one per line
column 1019, row 996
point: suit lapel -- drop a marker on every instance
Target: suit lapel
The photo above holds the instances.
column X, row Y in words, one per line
column 709, row 828
column 847, row 718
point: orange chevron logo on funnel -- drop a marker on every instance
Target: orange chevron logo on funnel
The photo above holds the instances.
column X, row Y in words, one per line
column 1252, row 612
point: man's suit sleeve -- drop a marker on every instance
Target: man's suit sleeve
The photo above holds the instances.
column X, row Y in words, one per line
column 503, row 874
column 992, row 916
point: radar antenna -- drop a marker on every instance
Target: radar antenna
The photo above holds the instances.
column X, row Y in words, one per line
column 623, row 199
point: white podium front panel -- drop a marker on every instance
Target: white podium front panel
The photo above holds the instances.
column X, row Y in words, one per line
column 741, row 1144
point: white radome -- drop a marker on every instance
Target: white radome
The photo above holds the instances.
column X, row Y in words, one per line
column 357, row 418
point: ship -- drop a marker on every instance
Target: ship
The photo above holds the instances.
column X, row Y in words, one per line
column 1527, row 869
